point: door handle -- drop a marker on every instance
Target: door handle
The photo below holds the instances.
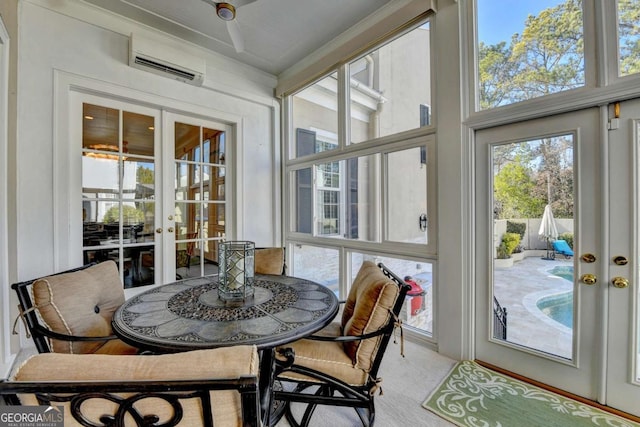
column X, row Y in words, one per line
column 158, row 230
column 588, row 279
column 422, row 222
column 620, row 282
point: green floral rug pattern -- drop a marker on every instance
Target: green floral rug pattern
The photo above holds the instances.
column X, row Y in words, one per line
column 473, row 396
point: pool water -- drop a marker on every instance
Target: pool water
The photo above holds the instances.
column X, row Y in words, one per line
column 559, row 307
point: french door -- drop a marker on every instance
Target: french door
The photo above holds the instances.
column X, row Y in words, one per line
column 153, row 189
column 556, row 226
column 196, row 204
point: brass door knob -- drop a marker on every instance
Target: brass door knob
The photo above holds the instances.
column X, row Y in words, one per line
column 588, row 258
column 170, row 229
column 620, row 260
column 620, row 282
column 588, row 279
column 158, row 230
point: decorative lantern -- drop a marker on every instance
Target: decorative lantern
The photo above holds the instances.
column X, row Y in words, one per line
column 236, row 270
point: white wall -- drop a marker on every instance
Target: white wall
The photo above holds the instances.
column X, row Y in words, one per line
column 82, row 43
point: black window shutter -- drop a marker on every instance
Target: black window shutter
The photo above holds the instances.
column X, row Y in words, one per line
column 305, row 145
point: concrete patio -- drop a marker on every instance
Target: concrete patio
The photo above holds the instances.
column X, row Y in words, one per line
column 519, row 288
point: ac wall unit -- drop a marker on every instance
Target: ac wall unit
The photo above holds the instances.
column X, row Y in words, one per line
column 156, row 57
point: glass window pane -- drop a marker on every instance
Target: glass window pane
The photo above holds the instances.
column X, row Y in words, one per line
column 315, row 109
column 99, row 176
column 305, row 265
column 533, row 205
column 137, row 133
column 629, row 36
column 181, row 182
column 417, row 311
column 338, row 202
column 527, row 49
column 390, row 88
column 100, row 128
column 407, row 195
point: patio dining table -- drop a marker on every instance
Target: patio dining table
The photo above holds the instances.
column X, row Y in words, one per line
column 188, row 315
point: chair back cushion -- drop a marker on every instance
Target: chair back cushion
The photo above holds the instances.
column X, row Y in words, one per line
column 269, row 261
column 221, row 363
column 368, row 308
column 79, row 303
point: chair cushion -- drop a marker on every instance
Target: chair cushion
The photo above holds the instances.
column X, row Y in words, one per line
column 368, row 308
column 228, row 362
column 327, row 357
column 269, row 260
column 80, row 303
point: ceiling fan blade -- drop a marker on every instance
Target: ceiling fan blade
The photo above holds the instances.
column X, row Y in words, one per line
column 236, row 37
column 240, row 3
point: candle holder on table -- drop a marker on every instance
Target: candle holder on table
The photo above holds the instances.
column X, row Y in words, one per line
column 236, row 270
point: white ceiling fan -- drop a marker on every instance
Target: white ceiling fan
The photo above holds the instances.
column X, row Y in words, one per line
column 227, row 12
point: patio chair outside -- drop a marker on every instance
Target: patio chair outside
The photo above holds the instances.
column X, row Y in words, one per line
column 562, row 247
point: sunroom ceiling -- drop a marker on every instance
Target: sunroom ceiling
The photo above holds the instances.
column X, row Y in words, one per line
column 276, row 33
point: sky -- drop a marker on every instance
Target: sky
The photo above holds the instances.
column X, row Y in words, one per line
column 498, row 20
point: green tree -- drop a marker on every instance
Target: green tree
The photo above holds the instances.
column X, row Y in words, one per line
column 130, row 215
column 144, row 175
column 513, row 193
column 629, row 34
column 547, row 57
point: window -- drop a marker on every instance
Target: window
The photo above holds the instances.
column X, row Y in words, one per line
column 366, row 184
column 528, row 49
column 628, row 37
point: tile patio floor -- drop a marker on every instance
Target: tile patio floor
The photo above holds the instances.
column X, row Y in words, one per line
column 518, row 288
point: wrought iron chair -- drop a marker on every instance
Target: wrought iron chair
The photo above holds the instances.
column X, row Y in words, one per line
column 270, row 261
column 197, row 388
column 71, row 311
column 339, row 365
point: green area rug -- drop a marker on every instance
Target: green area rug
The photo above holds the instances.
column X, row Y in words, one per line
column 474, row 396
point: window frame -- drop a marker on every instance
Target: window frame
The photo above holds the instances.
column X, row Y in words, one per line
column 420, row 137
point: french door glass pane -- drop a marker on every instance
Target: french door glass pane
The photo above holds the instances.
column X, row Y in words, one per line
column 199, row 179
column 390, row 88
column 118, row 189
column 407, row 195
column 417, row 311
column 533, row 231
column 628, row 37
column 527, row 49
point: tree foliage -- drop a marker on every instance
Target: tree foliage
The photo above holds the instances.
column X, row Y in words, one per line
column 548, row 57
column 130, row 215
column 629, row 33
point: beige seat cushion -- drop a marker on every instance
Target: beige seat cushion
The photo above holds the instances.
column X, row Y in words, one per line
column 368, row 308
column 228, row 362
column 82, row 303
column 269, row 260
column 327, row 357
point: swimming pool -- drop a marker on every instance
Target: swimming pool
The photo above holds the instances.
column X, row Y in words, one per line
column 559, row 307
